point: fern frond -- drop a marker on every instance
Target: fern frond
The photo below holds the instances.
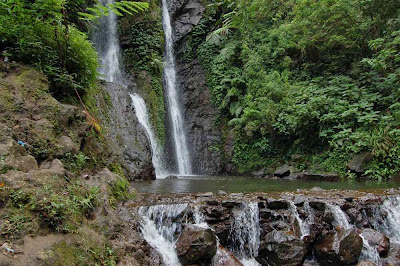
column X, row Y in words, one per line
column 119, row 8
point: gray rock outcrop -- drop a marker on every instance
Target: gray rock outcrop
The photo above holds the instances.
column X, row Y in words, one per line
column 128, row 139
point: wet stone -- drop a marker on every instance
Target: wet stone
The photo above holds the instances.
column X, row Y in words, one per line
column 277, row 204
column 230, row 204
column 320, row 206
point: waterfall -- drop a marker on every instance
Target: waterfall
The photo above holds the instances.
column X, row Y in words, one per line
column 304, row 226
column 143, row 116
column 160, row 229
column 245, row 234
column 199, row 218
column 339, row 216
column 387, row 218
column 368, row 253
column 177, row 123
column 107, row 46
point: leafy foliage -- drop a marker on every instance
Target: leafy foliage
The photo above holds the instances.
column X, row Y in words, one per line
column 39, row 33
column 143, row 57
column 118, row 8
column 305, row 77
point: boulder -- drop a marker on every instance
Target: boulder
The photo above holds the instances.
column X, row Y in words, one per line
column 377, row 240
column 23, row 163
column 317, row 205
column 67, row 114
column 155, row 258
column 393, row 257
column 282, row 248
column 277, row 204
column 66, row 145
column 196, row 245
column 171, row 177
column 259, row 173
column 48, row 170
column 15, row 179
column 225, row 258
column 282, row 171
column 230, row 203
column 359, row 161
column 339, row 248
column 221, row 192
column 354, row 215
column 9, row 147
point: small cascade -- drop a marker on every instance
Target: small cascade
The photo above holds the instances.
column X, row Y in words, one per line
column 175, row 110
column 304, row 225
column 161, row 231
column 143, row 116
column 198, row 217
column 368, row 252
column 108, row 48
column 340, row 217
column 387, row 218
column 245, row 234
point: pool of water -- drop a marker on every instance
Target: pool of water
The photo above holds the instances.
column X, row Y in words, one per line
column 235, row 184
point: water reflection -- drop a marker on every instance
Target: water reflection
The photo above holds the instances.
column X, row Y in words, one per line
column 193, row 184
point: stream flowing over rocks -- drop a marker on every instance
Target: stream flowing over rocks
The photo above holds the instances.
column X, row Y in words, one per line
column 310, row 227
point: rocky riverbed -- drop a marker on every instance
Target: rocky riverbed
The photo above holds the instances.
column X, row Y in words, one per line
column 307, row 227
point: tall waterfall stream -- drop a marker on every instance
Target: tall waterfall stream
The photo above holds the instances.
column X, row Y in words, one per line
column 174, row 106
column 108, row 48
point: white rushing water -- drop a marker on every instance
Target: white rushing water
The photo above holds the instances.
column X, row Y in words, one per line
column 368, row 252
column 177, row 122
column 160, row 231
column 389, row 215
column 245, row 234
column 339, row 216
column 304, row 225
column 199, row 218
column 143, row 116
column 107, row 44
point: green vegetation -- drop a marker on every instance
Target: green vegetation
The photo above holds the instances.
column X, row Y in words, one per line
column 143, row 58
column 118, row 8
column 41, row 33
column 18, row 222
column 58, row 206
column 318, row 78
column 87, row 249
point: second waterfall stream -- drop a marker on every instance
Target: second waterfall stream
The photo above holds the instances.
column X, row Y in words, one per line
column 175, row 109
column 143, row 116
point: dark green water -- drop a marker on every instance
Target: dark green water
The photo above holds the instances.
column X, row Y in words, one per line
column 194, row 184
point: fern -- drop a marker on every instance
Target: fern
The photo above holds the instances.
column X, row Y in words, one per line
column 118, row 8
column 225, row 28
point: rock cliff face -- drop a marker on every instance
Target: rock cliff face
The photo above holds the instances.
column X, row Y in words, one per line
column 127, row 137
column 199, row 113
